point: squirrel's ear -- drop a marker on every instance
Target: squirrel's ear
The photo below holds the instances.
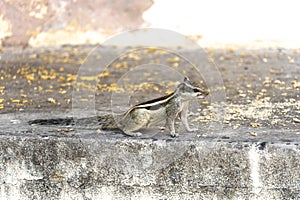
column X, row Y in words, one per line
column 186, row 79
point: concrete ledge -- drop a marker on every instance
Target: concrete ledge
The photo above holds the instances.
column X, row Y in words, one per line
column 254, row 155
column 117, row 167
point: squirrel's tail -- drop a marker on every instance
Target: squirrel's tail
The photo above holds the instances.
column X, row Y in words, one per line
column 57, row 121
column 104, row 122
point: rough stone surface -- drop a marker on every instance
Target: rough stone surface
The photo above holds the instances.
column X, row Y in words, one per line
column 91, row 166
column 253, row 155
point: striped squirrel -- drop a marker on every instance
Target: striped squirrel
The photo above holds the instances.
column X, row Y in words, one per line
column 143, row 115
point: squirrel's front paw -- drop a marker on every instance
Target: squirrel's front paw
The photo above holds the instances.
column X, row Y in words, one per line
column 174, row 134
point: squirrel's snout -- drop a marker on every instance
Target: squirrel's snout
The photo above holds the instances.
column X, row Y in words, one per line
column 206, row 92
column 203, row 91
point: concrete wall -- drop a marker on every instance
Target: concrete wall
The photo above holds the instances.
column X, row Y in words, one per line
column 56, row 22
column 213, row 23
column 126, row 168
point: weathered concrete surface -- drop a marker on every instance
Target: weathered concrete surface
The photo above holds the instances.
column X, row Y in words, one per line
column 38, row 164
column 253, row 155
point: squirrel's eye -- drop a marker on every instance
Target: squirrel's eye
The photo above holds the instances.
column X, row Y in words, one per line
column 196, row 90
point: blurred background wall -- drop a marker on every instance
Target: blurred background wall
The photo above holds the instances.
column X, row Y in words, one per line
column 252, row 23
column 56, row 22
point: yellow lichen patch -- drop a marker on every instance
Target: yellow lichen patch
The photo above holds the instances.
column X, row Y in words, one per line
column 1, row 100
column 171, row 84
column 175, row 65
column 1, row 106
column 157, row 60
column 210, row 117
column 131, row 55
column 104, row 74
column 52, row 100
column 84, row 100
column 155, row 88
column 61, row 69
column 143, row 87
column 284, row 94
column 267, row 81
column 23, row 70
column 30, row 76
column 88, row 78
column 102, row 87
column 120, row 65
column 150, row 79
column 84, row 85
column 113, row 88
column 71, row 77
column 134, row 56
column 255, row 124
column 15, row 100
column 161, row 51
column 81, row 60
column 23, row 95
column 205, row 102
column 272, row 71
column 65, row 84
column 147, row 86
column 44, row 74
column 173, row 60
column 168, row 91
column 49, row 91
column 61, row 91
column 2, row 88
column 242, row 95
column 61, row 79
column 150, row 50
column 278, row 82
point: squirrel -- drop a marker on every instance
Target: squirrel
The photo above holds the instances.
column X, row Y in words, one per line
column 143, row 115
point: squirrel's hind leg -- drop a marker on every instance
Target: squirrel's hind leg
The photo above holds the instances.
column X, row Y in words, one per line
column 135, row 120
